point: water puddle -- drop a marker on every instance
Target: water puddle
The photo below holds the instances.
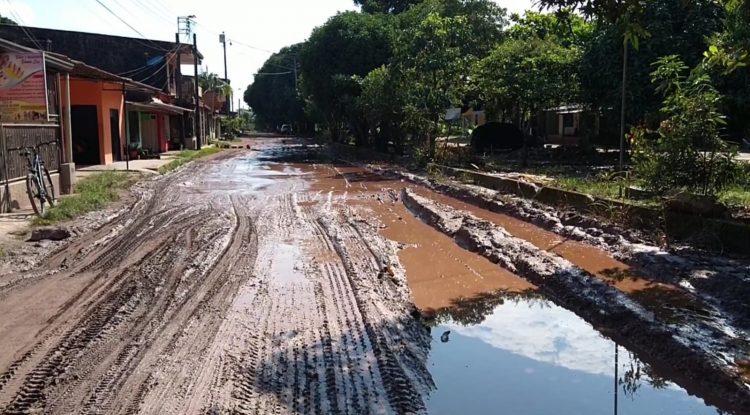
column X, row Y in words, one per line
column 524, row 355
column 440, row 273
column 286, row 264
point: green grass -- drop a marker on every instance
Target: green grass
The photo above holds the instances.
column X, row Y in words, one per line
column 187, row 156
column 93, row 193
column 590, row 185
column 737, row 195
column 2, row 252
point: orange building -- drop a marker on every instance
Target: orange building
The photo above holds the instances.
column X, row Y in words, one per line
column 97, row 119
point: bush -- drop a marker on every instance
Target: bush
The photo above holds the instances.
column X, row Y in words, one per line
column 686, row 152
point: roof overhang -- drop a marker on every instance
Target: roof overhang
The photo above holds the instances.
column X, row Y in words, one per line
column 158, row 106
column 52, row 60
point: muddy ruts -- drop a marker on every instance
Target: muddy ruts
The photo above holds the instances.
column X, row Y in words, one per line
column 403, row 396
column 610, row 311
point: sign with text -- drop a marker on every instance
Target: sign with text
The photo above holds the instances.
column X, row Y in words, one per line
column 23, row 90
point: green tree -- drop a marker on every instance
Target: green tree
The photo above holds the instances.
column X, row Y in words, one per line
column 273, row 94
column 433, row 70
column 210, row 82
column 729, row 57
column 7, row 20
column 565, row 27
column 523, row 76
column 675, row 28
column 385, row 6
column 485, row 21
column 337, row 54
column 382, row 102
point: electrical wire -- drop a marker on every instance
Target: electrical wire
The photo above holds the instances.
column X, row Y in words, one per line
column 156, row 72
column 17, row 16
column 130, row 26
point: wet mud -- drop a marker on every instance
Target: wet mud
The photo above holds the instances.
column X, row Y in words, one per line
column 274, row 281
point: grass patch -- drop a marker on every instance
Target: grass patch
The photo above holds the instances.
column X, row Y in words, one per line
column 736, row 195
column 93, row 193
column 186, row 156
column 2, row 252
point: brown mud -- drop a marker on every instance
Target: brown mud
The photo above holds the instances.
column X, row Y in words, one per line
column 223, row 289
column 269, row 281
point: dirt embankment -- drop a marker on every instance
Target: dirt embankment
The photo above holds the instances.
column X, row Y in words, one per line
column 722, row 282
column 694, row 355
column 224, row 289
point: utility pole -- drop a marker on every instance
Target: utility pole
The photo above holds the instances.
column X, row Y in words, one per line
column 622, row 104
column 197, row 119
column 223, row 41
column 296, row 83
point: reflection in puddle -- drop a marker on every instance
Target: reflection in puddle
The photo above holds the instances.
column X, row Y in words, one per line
column 521, row 355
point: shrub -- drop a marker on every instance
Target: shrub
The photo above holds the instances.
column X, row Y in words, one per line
column 686, row 151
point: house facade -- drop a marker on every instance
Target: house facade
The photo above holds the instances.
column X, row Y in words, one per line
column 163, row 118
column 567, row 125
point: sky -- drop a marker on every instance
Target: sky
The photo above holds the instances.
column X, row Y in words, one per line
column 255, row 29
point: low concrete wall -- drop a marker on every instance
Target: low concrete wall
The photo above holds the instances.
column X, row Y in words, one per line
column 716, row 234
column 18, row 197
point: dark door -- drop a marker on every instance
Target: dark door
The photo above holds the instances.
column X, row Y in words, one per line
column 85, row 134
column 114, row 128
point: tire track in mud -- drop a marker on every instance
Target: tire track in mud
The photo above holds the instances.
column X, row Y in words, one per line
column 47, row 382
column 184, row 305
column 323, row 352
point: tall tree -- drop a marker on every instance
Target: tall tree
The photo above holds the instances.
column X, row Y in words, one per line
column 675, row 27
column 523, row 76
column 485, row 21
column 432, row 67
column 346, row 48
column 273, row 94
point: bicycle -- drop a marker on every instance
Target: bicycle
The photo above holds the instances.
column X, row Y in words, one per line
column 39, row 184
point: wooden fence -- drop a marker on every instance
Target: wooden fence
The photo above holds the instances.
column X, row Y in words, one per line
column 15, row 137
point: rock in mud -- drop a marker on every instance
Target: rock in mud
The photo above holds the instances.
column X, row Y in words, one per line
column 49, row 234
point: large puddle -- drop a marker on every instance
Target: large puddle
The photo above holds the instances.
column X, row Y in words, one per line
column 509, row 350
column 521, row 355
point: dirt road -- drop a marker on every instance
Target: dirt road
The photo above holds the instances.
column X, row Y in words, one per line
column 224, row 288
column 236, row 285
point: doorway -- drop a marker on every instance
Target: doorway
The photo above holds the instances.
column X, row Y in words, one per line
column 85, row 124
column 114, row 128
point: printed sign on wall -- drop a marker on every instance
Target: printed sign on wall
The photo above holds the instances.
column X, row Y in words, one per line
column 23, row 91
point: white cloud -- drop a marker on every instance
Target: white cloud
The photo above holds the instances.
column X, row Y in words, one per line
column 548, row 334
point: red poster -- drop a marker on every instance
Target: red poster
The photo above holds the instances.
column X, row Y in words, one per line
column 23, row 92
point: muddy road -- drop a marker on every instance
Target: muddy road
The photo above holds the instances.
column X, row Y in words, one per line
column 263, row 281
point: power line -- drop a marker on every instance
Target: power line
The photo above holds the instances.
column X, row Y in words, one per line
column 130, row 26
column 17, row 16
column 120, row 18
column 273, row 73
column 155, row 13
column 156, row 72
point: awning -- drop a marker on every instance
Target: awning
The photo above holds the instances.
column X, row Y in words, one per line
column 158, row 106
column 83, row 70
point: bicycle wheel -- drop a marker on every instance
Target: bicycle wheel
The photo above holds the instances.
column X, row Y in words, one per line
column 34, row 190
column 49, row 187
